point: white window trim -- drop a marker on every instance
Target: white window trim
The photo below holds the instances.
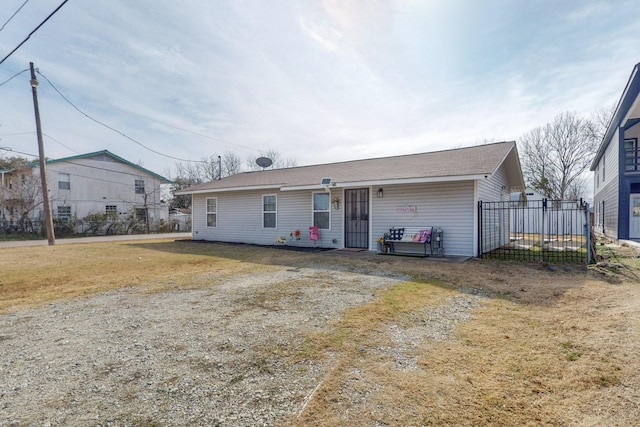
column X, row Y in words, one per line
column 313, row 211
column 136, row 187
column 206, row 215
column 67, row 180
column 273, row 212
column 65, row 215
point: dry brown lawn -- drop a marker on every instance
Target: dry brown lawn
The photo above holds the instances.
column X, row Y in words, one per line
column 550, row 345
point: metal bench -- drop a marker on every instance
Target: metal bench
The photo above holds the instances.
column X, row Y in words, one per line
column 431, row 238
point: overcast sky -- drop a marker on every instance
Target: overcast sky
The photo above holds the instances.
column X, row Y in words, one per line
column 317, row 81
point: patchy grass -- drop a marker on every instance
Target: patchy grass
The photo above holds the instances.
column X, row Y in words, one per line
column 547, row 348
column 41, row 274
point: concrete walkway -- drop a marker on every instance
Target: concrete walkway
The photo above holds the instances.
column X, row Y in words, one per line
column 94, row 239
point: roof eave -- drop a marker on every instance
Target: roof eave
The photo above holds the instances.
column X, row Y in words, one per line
column 632, row 88
column 227, row 189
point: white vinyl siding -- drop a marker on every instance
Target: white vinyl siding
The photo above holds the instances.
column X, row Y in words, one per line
column 447, row 205
column 494, row 188
column 212, row 212
column 240, row 219
column 607, row 190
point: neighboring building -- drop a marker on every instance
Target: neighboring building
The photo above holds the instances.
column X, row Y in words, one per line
column 560, row 217
column 353, row 203
column 616, row 168
column 89, row 183
column 180, row 219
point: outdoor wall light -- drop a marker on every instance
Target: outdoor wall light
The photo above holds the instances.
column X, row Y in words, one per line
column 380, row 193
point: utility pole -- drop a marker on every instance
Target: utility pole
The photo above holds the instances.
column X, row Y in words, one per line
column 48, row 220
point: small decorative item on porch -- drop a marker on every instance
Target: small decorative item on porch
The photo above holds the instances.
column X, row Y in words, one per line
column 281, row 240
column 313, row 233
column 381, row 246
column 295, row 235
column 336, row 203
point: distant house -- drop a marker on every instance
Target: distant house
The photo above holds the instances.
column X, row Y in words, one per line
column 616, row 168
column 98, row 182
column 353, row 203
column 527, row 215
column 180, row 219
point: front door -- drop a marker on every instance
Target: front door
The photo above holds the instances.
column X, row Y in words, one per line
column 356, row 218
column 634, row 216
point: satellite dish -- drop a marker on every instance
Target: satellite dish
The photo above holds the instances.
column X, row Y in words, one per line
column 264, row 162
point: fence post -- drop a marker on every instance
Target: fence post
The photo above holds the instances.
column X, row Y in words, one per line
column 542, row 232
column 587, row 231
column 479, row 229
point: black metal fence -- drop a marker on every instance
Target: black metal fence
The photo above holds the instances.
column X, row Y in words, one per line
column 552, row 231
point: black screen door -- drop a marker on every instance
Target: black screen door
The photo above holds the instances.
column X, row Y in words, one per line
column 356, row 218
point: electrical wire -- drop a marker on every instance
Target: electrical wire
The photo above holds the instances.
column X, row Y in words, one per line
column 19, row 152
column 32, row 32
column 13, row 77
column 14, row 14
column 114, row 129
column 52, row 168
column 64, row 145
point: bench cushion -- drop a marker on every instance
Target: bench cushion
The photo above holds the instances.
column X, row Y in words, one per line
column 396, row 233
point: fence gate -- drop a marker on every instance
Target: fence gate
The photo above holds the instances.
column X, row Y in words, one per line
column 538, row 230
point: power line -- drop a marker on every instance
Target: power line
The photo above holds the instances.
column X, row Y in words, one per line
column 52, row 167
column 114, row 129
column 13, row 77
column 14, row 14
column 32, row 32
column 19, row 152
column 64, row 145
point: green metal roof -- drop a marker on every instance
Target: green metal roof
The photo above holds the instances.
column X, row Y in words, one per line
column 104, row 153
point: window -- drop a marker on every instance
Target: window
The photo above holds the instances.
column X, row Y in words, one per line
column 321, row 213
column 212, row 212
column 64, row 181
column 632, row 155
column 139, row 186
column 64, row 212
column 111, row 210
column 269, row 211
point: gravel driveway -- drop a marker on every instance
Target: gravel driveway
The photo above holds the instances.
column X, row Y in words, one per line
column 220, row 355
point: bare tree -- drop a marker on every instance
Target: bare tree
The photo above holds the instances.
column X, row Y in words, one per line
column 208, row 169
column 231, row 164
column 557, row 154
column 20, row 197
column 278, row 162
column 601, row 118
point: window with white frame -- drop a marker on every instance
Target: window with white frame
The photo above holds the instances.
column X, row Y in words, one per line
column 111, row 210
column 212, row 212
column 269, row 211
column 139, row 184
column 321, row 210
column 64, row 212
column 64, row 181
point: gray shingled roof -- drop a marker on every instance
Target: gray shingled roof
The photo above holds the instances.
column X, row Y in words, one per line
column 469, row 163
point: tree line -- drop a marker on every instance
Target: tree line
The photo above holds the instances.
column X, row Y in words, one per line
column 555, row 158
